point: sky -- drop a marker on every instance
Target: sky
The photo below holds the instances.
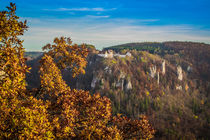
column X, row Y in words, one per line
column 105, row 23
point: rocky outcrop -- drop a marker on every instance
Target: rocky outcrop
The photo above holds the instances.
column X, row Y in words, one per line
column 178, row 87
column 102, row 81
column 122, row 75
column 179, row 73
column 122, row 80
column 90, row 62
column 108, row 70
column 189, row 69
column 153, row 71
column 123, row 83
column 128, row 85
column 94, row 81
column 163, row 67
column 120, row 84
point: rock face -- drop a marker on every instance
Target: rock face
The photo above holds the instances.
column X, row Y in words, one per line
column 179, row 73
column 163, row 67
column 122, row 75
column 122, row 79
column 108, row 70
column 128, row 85
column 90, row 63
column 94, row 81
column 153, row 71
column 102, row 83
column 178, row 87
column 189, row 69
column 118, row 76
column 120, row 84
column 123, row 83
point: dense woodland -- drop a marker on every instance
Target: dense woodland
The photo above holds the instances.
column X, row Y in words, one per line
column 54, row 110
column 175, row 113
column 55, row 92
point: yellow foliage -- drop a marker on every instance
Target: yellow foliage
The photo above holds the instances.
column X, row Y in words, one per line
column 60, row 113
column 196, row 117
column 21, row 116
column 147, row 93
column 68, row 55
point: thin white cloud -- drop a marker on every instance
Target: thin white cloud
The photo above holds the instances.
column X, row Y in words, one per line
column 109, row 33
column 148, row 20
column 83, row 9
column 94, row 16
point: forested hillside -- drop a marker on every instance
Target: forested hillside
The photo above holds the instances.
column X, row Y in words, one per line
column 145, row 90
column 169, row 82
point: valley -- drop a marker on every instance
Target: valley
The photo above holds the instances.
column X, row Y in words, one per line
column 169, row 82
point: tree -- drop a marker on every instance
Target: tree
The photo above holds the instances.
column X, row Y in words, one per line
column 12, row 66
column 138, row 129
column 67, row 55
column 59, row 112
column 21, row 116
column 75, row 113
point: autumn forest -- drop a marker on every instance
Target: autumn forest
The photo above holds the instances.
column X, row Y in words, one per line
column 148, row 90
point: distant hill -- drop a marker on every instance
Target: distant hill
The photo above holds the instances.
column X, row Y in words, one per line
column 159, row 48
column 150, row 46
column 32, row 55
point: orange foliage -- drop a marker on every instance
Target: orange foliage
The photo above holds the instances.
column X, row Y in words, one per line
column 21, row 116
column 60, row 113
column 68, row 55
column 138, row 129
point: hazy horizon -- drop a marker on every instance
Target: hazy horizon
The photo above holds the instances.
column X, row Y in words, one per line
column 108, row 23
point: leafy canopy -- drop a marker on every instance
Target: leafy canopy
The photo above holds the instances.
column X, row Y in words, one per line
column 57, row 112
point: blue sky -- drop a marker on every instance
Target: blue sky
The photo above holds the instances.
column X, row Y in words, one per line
column 105, row 23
